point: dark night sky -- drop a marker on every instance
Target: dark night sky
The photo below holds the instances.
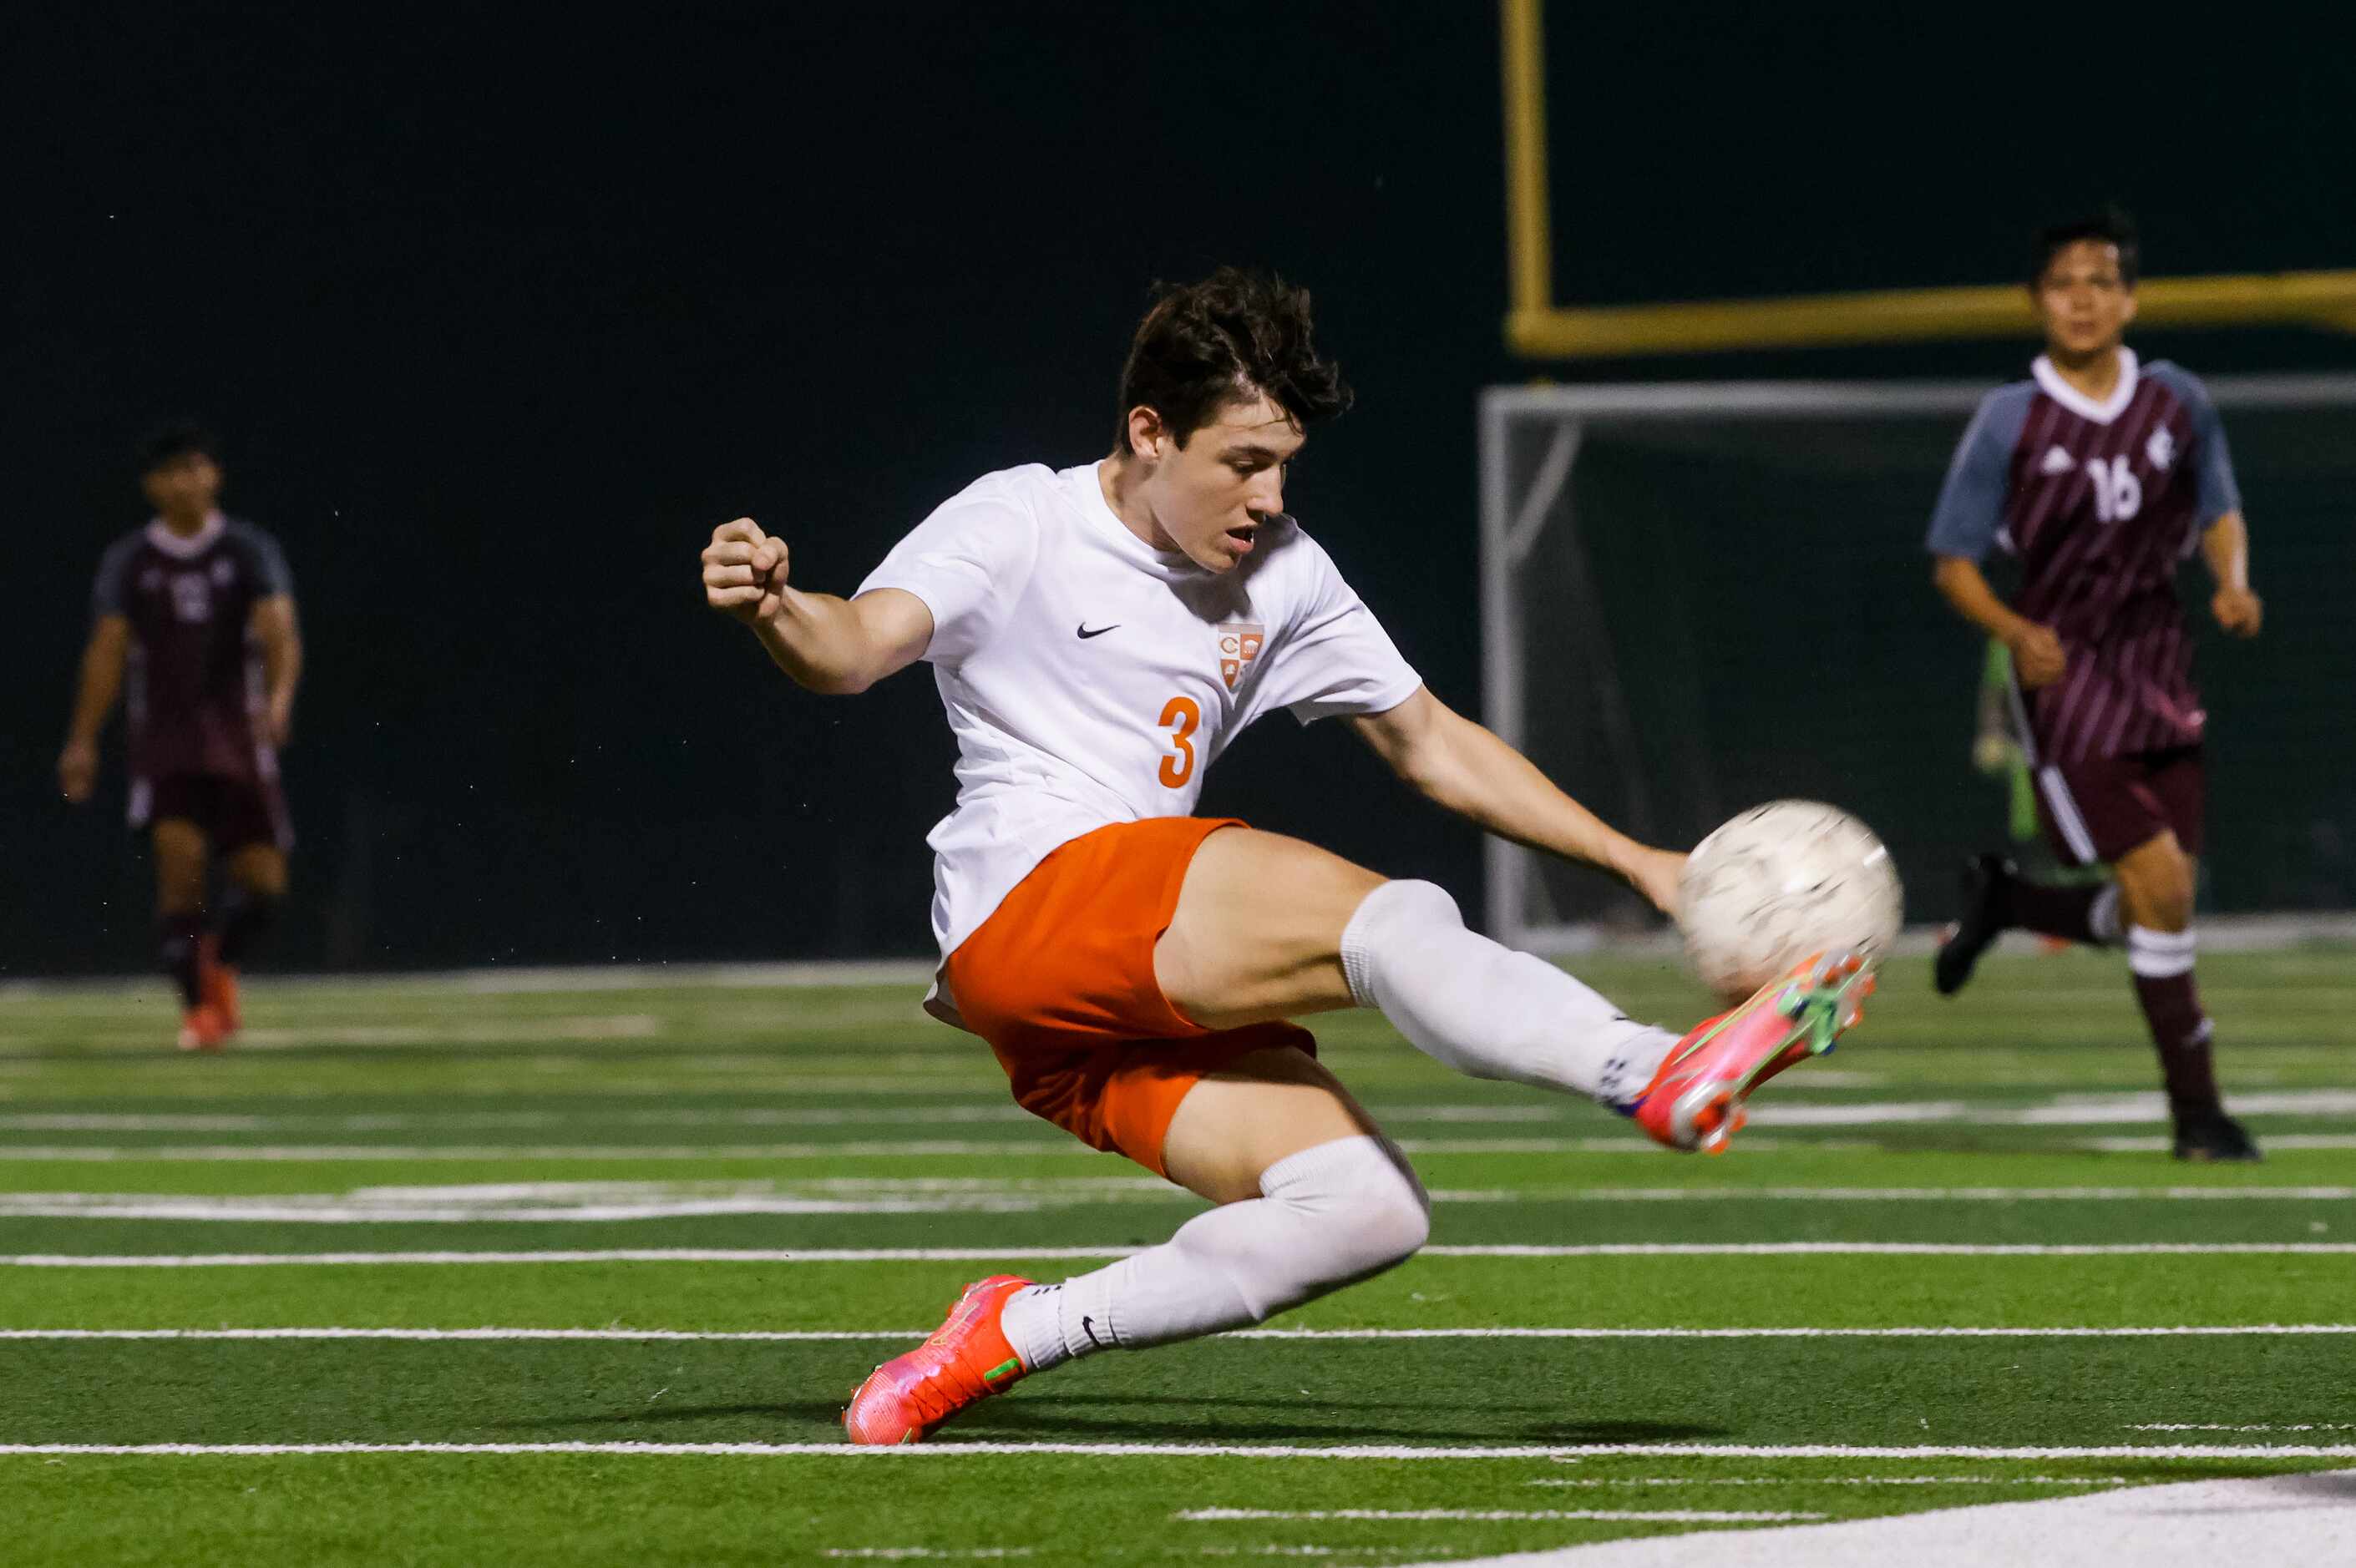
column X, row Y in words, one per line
column 499, row 319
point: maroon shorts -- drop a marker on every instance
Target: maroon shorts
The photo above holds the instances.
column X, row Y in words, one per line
column 232, row 813
column 2099, row 808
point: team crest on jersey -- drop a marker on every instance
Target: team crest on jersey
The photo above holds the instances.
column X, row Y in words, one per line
column 2160, row 449
column 223, row 571
column 2059, row 460
column 1239, row 644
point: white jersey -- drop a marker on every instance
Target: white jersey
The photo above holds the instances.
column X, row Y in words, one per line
column 1091, row 679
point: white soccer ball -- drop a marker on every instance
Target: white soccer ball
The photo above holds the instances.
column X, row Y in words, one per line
column 1779, row 882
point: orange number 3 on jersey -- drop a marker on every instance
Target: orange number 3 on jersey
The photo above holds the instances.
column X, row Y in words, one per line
column 1181, row 719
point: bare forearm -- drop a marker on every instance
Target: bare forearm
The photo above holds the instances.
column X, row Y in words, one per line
column 2225, row 546
column 282, row 670
column 101, row 683
column 1482, row 779
column 1966, row 591
column 819, row 641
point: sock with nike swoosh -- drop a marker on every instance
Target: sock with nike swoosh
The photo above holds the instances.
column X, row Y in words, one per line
column 1326, row 1217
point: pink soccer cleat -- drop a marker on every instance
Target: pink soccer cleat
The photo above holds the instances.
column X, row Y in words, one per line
column 967, row 1360
column 1695, row 1101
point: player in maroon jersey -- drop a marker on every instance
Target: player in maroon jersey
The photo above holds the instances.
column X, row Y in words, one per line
column 198, row 611
column 2100, row 474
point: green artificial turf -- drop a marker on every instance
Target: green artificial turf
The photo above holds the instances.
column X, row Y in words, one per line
column 415, row 1118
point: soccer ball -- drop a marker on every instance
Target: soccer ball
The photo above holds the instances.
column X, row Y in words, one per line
column 1779, row 882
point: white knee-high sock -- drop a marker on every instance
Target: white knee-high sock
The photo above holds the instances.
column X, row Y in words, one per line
column 1485, row 1009
column 1326, row 1217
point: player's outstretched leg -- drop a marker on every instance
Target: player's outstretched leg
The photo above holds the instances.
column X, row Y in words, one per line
column 1983, row 910
column 1996, row 898
column 1695, row 1100
column 1321, row 1217
column 1477, row 1006
column 1485, row 1009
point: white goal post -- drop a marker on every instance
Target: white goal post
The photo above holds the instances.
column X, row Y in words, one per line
column 1598, row 502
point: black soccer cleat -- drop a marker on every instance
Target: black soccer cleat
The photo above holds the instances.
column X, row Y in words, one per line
column 1986, row 891
column 2212, row 1137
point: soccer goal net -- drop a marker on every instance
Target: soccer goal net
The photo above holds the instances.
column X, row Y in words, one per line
column 1699, row 597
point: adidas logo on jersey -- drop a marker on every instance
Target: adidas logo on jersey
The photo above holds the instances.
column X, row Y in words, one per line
column 2160, row 449
column 2058, row 461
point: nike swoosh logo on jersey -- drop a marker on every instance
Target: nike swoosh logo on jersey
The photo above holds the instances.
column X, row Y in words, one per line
column 1100, row 631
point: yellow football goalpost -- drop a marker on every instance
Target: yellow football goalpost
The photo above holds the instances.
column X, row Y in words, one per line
column 1537, row 329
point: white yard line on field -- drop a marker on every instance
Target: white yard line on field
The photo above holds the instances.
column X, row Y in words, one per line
column 308, row 1210
column 996, row 1110
column 1936, row 1331
column 2252, row 1426
column 1831, row 1481
column 1381, row 1452
column 1491, row 1516
column 998, row 1254
column 408, row 1154
column 906, row 1553
column 1911, row 1194
column 2275, row 1142
column 589, row 1202
column 2061, row 1111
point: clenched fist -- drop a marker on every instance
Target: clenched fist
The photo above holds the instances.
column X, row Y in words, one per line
column 2038, row 656
column 744, row 571
column 2240, row 612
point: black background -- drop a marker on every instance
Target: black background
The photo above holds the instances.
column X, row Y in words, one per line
column 498, row 317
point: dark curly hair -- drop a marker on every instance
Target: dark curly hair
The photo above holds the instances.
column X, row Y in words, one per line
column 1235, row 335
column 169, row 442
column 2112, row 226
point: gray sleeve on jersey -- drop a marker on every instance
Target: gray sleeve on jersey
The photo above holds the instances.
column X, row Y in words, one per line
column 1970, row 513
column 2212, row 461
column 110, row 594
column 271, row 573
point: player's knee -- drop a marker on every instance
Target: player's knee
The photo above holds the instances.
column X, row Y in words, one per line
column 1362, row 1209
column 1394, row 909
column 261, row 876
column 1394, row 1221
column 1385, row 1217
column 2158, row 895
column 1419, row 903
column 2172, row 911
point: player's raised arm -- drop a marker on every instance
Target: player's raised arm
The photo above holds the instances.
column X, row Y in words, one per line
column 1458, row 765
column 102, row 680
column 828, row 644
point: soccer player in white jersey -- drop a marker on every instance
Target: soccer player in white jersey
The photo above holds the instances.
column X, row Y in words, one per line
column 1098, row 634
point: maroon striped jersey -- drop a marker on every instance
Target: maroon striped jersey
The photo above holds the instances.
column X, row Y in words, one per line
column 2099, row 501
column 195, row 697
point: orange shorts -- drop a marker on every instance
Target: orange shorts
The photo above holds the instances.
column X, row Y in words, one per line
column 1060, row 981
